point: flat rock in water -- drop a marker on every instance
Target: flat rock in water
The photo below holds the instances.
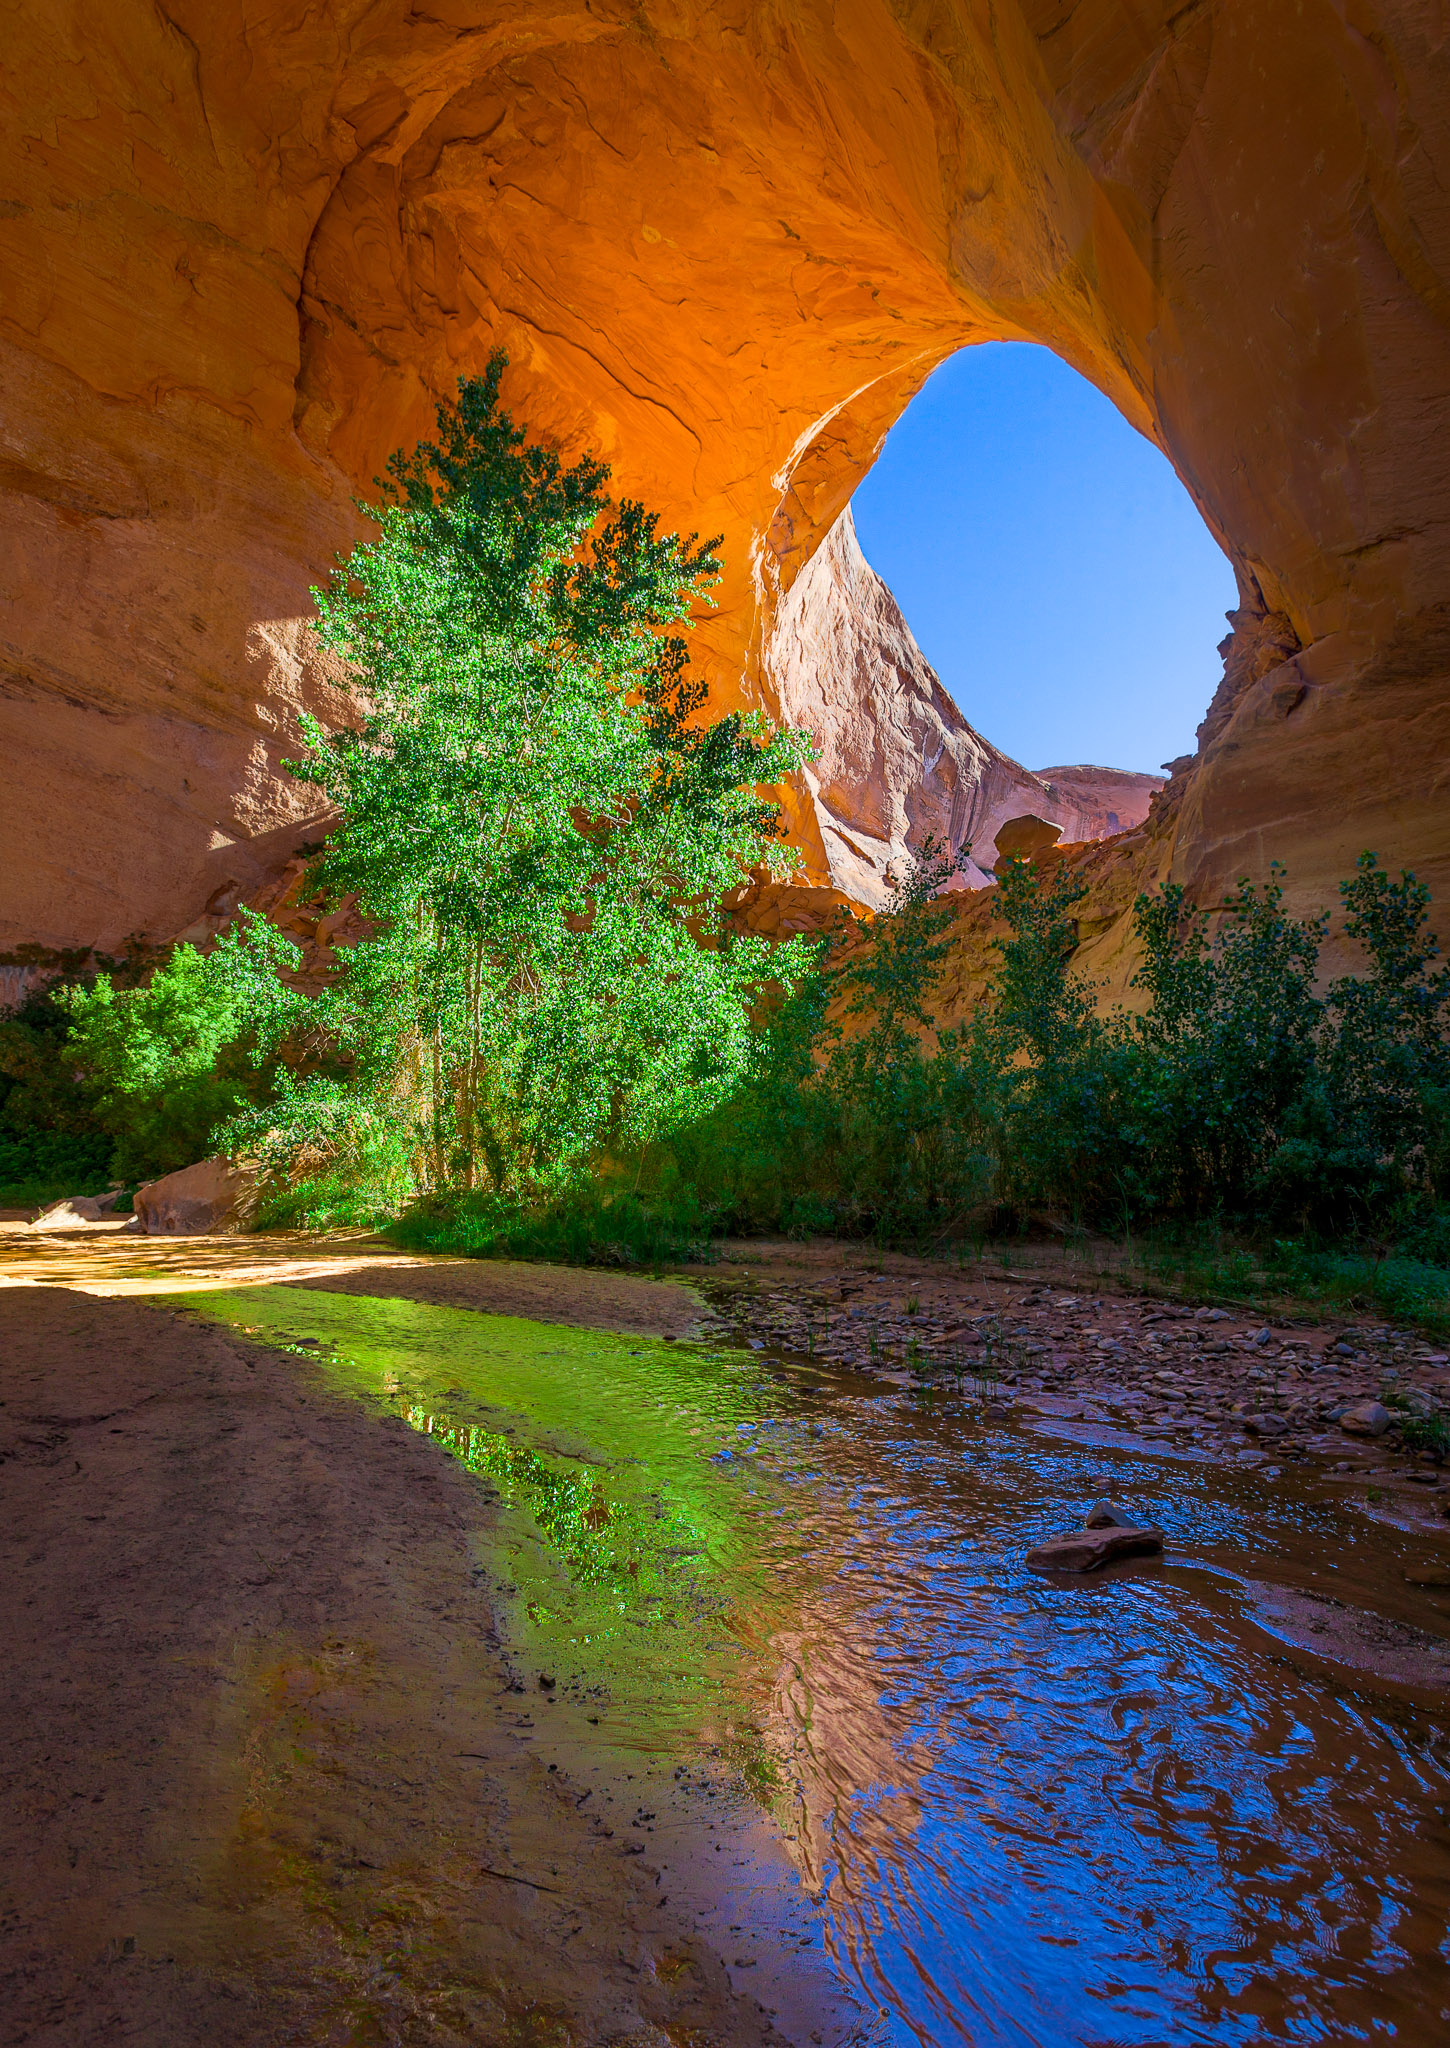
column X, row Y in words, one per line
column 1084, row 1550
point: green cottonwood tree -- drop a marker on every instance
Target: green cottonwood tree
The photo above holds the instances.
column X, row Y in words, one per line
column 534, row 819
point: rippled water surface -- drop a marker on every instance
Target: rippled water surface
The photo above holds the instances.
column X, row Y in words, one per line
column 1029, row 1813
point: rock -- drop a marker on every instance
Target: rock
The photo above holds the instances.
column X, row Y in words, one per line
column 1023, row 838
column 74, row 1210
column 1105, row 1514
column 1265, row 1425
column 845, row 665
column 1428, row 1575
column 212, row 338
column 1107, row 799
column 1367, row 1418
column 1084, row 1550
column 214, row 1197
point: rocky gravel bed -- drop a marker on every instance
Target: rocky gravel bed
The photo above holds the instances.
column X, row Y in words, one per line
column 1203, row 1380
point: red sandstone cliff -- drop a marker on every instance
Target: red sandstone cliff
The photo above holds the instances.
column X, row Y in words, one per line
column 243, row 247
column 898, row 761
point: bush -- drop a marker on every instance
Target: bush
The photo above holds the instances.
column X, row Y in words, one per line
column 850, row 1118
column 52, row 1141
column 1241, row 1095
column 169, row 1063
column 593, row 1228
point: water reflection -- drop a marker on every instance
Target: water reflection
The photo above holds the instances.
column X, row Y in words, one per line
column 1111, row 1812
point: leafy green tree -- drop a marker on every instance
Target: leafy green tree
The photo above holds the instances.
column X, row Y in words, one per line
column 535, row 820
column 1052, row 1082
column 52, row 1141
column 166, row 1063
column 1234, row 1038
column 1038, row 1010
column 1390, row 1064
column 850, row 1117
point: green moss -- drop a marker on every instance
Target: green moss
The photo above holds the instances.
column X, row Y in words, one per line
column 639, row 1534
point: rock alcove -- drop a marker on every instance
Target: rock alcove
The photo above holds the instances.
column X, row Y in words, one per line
column 724, row 244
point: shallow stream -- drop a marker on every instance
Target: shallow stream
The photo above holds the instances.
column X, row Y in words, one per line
column 999, row 1810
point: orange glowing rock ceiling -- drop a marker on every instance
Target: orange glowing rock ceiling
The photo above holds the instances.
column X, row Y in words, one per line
column 244, row 244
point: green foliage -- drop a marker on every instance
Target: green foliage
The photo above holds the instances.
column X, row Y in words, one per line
column 1393, row 1283
column 1229, row 1043
column 1240, row 1094
column 1276, row 1101
column 594, row 1227
column 535, row 821
column 1047, row 1077
column 168, row 1062
column 1426, row 1433
column 849, row 1118
column 1037, row 1012
column 51, row 1141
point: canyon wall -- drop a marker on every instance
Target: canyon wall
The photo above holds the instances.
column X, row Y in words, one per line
column 245, row 245
column 897, row 761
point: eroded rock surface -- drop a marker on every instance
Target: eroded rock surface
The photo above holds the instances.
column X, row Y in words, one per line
column 245, row 250
column 899, row 763
column 212, row 1197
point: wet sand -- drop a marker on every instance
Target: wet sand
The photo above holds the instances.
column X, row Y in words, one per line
column 268, row 1768
column 260, row 1785
column 105, row 1259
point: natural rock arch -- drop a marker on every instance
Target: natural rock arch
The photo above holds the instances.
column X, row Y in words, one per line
column 724, row 243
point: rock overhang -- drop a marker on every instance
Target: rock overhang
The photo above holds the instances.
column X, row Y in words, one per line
column 724, row 246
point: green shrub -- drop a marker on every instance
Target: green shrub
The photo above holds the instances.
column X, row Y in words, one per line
column 52, row 1141
column 1426, row 1433
column 850, row 1119
column 1241, row 1095
column 592, row 1228
column 170, row 1062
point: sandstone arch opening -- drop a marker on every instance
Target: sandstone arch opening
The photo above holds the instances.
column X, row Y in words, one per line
column 1051, row 565
column 725, row 250
column 1020, row 556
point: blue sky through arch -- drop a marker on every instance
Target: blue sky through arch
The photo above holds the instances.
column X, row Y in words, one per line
column 1053, row 568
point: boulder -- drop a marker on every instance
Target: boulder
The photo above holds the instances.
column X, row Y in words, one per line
column 1084, row 1550
column 214, row 1197
column 1106, row 1514
column 1266, row 1424
column 1366, row 1418
column 1025, row 837
column 73, row 1211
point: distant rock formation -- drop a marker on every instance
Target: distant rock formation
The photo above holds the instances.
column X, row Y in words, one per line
column 1112, row 799
column 898, row 761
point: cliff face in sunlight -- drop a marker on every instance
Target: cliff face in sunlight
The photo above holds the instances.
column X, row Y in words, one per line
column 244, row 247
column 898, row 762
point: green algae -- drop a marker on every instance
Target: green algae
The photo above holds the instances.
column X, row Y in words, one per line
column 640, row 1532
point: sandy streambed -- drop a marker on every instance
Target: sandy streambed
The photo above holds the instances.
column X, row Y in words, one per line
column 401, row 1663
column 267, row 1763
